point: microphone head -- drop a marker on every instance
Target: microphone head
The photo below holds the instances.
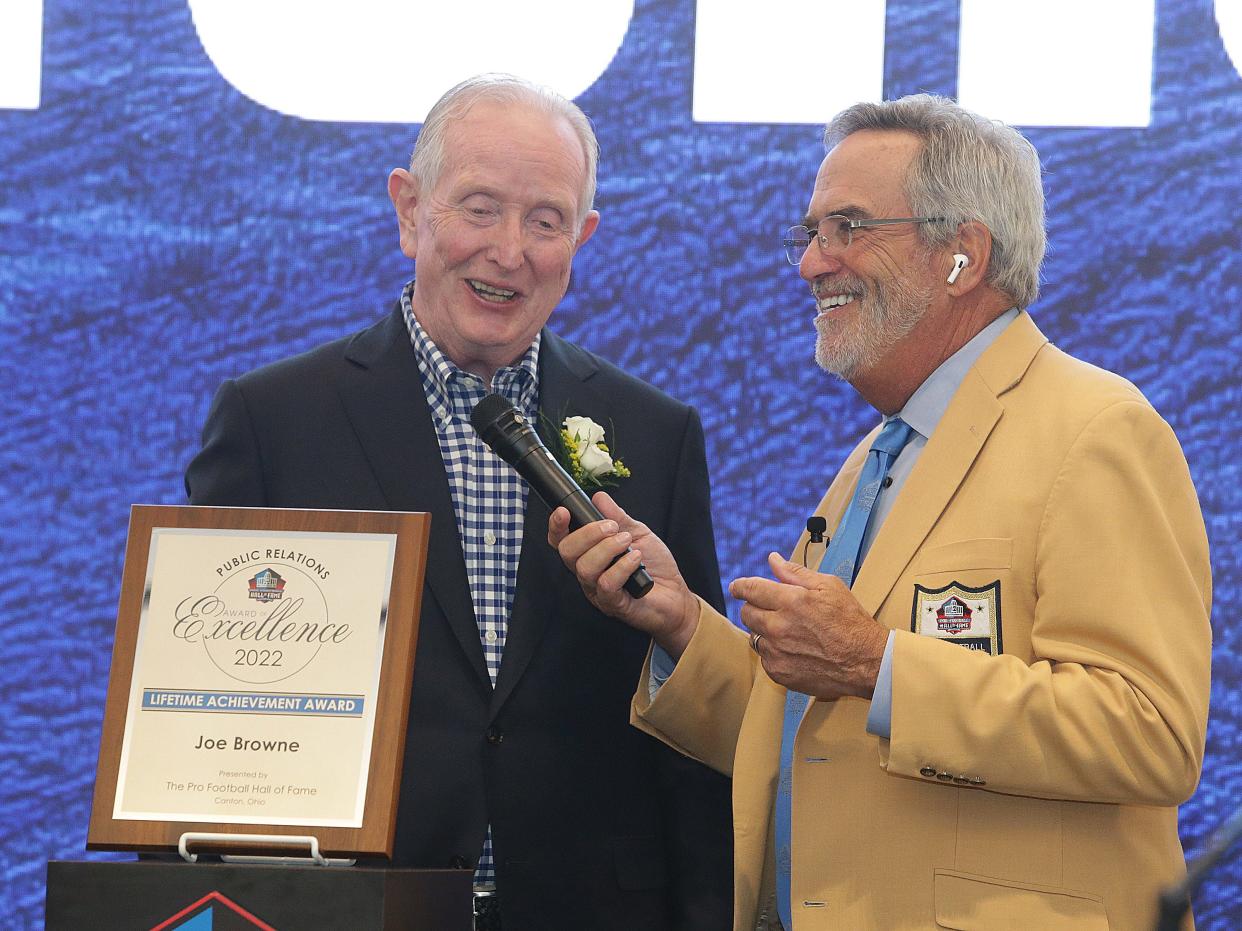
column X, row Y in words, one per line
column 488, row 411
column 501, row 427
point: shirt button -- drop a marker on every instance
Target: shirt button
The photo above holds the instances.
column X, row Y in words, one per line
column 490, row 636
column 489, row 538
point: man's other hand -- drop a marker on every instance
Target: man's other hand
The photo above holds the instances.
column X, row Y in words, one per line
column 814, row 636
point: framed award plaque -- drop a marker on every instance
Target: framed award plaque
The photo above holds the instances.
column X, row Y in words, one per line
column 260, row 679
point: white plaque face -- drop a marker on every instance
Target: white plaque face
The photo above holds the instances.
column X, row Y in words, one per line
column 255, row 679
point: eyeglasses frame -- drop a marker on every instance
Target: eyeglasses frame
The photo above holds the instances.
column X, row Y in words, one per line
column 850, row 225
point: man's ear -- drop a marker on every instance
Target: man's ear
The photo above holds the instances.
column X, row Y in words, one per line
column 589, row 226
column 974, row 240
column 403, row 192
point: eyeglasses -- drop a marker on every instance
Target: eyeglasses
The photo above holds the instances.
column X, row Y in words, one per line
column 835, row 234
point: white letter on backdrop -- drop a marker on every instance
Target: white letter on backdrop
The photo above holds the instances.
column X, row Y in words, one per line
column 21, row 53
column 390, row 60
column 1229, row 20
column 1058, row 62
column 786, row 61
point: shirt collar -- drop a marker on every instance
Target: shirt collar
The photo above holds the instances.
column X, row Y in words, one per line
column 451, row 390
column 929, row 402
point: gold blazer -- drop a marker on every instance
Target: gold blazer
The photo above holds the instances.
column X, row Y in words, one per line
column 1030, row 782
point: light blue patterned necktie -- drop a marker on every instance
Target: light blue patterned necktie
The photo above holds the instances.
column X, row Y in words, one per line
column 841, row 559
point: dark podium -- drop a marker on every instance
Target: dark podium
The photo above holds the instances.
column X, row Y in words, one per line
column 149, row 895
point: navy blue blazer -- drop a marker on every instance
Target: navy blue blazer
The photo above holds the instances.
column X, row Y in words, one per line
column 595, row 825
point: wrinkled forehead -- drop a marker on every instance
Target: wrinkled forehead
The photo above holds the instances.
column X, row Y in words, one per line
column 864, row 175
column 519, row 126
column 516, row 143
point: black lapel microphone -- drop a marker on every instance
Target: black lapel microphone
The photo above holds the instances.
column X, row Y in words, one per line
column 815, row 526
column 513, row 440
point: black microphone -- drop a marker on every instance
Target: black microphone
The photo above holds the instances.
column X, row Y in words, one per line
column 815, row 526
column 512, row 439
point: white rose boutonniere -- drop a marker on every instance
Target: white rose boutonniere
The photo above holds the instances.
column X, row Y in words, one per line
column 581, row 449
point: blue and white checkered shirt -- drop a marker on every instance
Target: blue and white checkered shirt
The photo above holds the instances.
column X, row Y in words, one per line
column 489, row 497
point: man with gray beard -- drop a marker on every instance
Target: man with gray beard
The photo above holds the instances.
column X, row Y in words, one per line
column 984, row 705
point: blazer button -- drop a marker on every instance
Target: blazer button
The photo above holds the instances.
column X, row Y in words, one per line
column 458, row 863
column 962, row 780
column 944, row 777
column 928, row 771
column 494, row 735
column 976, row 781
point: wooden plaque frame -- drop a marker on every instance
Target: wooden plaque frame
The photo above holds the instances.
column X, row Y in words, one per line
column 375, row 836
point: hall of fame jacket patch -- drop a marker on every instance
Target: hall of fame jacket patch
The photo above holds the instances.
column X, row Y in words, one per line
column 959, row 614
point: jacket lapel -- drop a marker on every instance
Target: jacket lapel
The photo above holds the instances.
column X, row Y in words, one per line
column 946, row 460
column 383, row 397
column 544, row 586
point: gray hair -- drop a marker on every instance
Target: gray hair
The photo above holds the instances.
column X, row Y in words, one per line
column 969, row 168
column 428, row 159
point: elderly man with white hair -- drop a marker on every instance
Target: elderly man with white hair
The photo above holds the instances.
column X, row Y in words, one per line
column 520, row 763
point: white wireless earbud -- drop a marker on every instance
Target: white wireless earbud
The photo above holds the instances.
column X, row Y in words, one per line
column 959, row 262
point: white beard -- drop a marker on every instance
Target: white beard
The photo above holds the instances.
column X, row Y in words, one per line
column 882, row 317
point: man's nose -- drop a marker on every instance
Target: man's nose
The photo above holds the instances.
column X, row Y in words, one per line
column 507, row 245
column 816, row 262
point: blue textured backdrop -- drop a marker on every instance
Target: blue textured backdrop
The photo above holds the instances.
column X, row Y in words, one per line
column 159, row 232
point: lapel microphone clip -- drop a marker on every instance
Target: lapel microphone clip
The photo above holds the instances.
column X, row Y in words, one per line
column 816, row 527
